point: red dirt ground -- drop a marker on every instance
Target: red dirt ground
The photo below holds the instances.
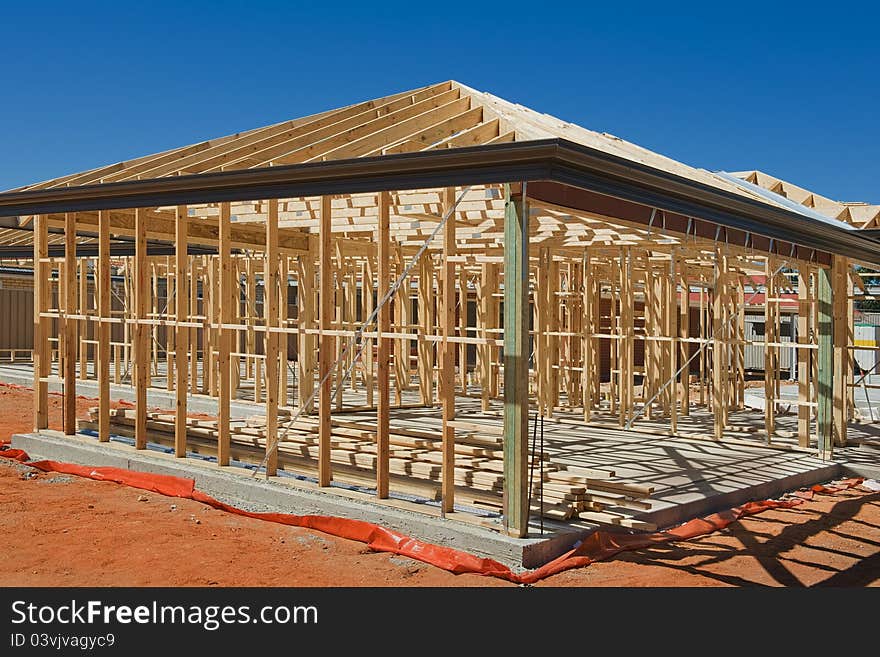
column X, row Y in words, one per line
column 66, row 531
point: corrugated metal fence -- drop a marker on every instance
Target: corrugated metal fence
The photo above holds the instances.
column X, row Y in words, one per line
column 754, row 354
column 17, row 316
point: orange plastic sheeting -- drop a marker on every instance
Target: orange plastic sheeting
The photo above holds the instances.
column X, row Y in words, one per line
column 157, row 483
column 601, row 545
column 810, row 492
column 596, row 547
column 14, row 454
column 375, row 536
column 378, row 538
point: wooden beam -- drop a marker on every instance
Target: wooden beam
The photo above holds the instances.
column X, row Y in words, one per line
column 587, row 382
column 129, row 330
column 401, row 320
column 102, row 290
column 803, row 356
column 70, row 326
column 283, row 308
column 825, row 378
column 367, row 306
column 671, row 377
column 650, row 311
column 740, row 348
column 574, row 326
column 171, row 290
column 237, row 315
column 551, row 365
column 83, row 325
column 842, row 355
column 462, row 329
column 339, row 290
column 205, row 231
column 327, row 348
column 142, row 331
column 770, row 318
column 728, row 289
column 384, row 348
column 211, row 343
column 42, row 353
column 516, row 367
column 154, row 312
column 426, row 326
column 349, row 127
column 626, row 349
column 485, row 289
column 251, row 306
column 222, row 151
column 614, row 329
column 396, row 130
column 447, row 360
column 270, row 310
column 703, row 325
column 194, row 343
column 181, row 333
column 718, row 374
column 849, row 339
column 305, row 299
column 226, row 296
column 684, row 333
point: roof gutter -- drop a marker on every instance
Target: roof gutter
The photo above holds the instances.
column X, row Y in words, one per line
column 556, row 160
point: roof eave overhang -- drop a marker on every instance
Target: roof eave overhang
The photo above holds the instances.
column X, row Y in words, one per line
column 554, row 160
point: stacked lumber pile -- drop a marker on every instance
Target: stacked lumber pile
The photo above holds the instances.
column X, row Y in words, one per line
column 568, row 492
column 568, row 495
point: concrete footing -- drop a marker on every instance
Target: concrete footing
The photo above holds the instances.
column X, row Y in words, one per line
column 283, row 494
column 279, row 494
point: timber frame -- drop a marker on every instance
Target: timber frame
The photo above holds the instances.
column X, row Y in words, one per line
column 530, row 263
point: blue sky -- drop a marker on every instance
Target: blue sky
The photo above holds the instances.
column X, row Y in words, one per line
column 776, row 86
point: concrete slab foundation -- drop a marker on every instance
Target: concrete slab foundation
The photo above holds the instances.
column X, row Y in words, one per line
column 690, row 477
column 236, row 486
column 284, row 494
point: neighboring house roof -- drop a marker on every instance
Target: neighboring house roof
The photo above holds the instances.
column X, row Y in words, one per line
column 861, row 215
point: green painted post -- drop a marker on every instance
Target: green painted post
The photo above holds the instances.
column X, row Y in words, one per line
column 516, row 366
column 825, row 387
